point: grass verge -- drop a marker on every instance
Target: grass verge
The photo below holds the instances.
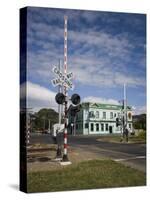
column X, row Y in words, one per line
column 86, row 175
column 117, row 139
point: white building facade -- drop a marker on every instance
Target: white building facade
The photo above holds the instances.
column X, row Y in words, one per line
column 96, row 118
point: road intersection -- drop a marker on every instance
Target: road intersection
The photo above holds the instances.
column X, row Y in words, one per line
column 133, row 155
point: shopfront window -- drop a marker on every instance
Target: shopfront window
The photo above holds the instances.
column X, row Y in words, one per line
column 102, row 127
column 97, row 127
column 92, row 127
column 106, row 127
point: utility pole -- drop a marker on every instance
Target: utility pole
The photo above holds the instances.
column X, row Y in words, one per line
column 125, row 119
column 125, row 106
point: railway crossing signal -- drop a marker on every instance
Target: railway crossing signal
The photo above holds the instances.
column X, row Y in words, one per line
column 62, row 79
column 60, row 98
column 75, row 98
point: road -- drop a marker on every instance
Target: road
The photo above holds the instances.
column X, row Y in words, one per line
column 133, row 155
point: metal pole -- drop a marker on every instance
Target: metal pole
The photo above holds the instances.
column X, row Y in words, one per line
column 49, row 125
column 125, row 106
column 59, row 105
column 125, row 113
column 65, row 156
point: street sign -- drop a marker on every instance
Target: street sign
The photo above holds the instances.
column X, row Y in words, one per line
column 56, row 82
column 70, row 75
column 62, row 79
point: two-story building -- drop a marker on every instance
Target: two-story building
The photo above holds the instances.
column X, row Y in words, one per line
column 97, row 118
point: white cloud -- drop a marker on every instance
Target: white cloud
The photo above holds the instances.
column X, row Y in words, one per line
column 137, row 110
column 97, row 57
column 88, row 66
column 93, row 99
column 38, row 96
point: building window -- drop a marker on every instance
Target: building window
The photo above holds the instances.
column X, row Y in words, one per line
column 119, row 114
column 102, row 127
column 97, row 114
column 86, row 125
column 92, row 114
column 111, row 115
column 92, row 127
column 97, row 127
column 104, row 115
column 129, row 116
column 115, row 115
column 106, row 127
column 130, row 126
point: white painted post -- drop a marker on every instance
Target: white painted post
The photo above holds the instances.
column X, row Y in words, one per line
column 65, row 155
column 28, row 129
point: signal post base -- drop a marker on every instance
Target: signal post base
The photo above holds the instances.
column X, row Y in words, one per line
column 57, row 159
column 65, row 160
column 65, row 163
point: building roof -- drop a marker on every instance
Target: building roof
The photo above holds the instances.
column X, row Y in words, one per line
column 103, row 106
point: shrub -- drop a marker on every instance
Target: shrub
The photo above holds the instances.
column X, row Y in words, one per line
column 142, row 134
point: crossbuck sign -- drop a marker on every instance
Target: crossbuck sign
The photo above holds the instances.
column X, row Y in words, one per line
column 62, row 79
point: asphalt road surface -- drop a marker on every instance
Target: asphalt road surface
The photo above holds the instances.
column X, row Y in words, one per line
column 133, row 155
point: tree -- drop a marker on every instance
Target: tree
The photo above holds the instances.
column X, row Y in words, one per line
column 42, row 118
column 139, row 121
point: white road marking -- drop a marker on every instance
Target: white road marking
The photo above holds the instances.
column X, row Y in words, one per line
column 132, row 158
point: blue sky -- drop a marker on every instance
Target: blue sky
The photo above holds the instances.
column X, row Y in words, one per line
column 105, row 50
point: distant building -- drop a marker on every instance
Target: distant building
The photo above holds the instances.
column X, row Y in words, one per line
column 97, row 118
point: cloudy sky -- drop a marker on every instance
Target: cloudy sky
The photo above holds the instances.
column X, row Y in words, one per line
column 105, row 50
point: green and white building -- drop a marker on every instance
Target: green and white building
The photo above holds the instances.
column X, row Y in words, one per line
column 97, row 118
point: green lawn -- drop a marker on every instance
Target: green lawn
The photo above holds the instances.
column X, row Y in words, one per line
column 86, row 175
column 117, row 138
